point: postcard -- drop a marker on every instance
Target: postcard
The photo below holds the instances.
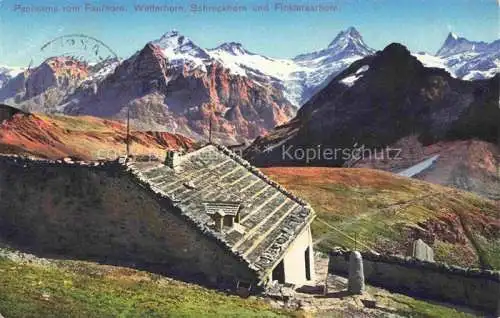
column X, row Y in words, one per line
column 249, row 158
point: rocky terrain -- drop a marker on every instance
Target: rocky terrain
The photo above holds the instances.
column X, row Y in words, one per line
column 159, row 94
column 7, row 73
column 45, row 87
column 471, row 165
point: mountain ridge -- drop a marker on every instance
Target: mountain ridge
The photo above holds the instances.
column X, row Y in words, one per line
column 465, row 59
column 390, row 95
column 281, row 84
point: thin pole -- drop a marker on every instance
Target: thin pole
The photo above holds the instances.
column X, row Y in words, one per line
column 128, row 131
column 210, row 130
column 345, row 235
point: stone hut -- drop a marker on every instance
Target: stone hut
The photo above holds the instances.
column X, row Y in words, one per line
column 208, row 213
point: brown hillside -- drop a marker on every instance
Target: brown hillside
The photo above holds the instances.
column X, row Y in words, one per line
column 53, row 136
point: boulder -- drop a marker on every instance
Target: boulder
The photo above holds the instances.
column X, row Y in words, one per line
column 356, row 284
column 422, row 251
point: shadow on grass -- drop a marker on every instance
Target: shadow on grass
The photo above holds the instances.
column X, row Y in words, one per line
column 163, row 269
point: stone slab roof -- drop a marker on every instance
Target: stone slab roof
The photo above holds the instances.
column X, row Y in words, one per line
column 270, row 217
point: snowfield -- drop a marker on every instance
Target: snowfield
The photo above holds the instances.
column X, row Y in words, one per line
column 419, row 168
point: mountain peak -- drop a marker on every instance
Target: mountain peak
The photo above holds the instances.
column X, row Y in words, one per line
column 452, row 39
column 349, row 42
column 453, row 36
column 172, row 39
column 171, row 33
column 349, row 34
column 234, row 48
column 352, row 31
column 396, row 49
column 177, row 46
column 455, row 44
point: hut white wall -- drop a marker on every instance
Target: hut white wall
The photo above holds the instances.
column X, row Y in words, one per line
column 294, row 261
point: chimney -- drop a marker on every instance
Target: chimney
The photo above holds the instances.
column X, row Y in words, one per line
column 173, row 158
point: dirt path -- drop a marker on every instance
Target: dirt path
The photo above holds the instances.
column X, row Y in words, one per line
column 312, row 299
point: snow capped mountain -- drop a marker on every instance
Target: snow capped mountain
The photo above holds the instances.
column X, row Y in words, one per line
column 468, row 60
column 302, row 76
column 455, row 44
column 233, row 48
column 99, row 71
column 262, row 69
column 430, row 60
column 347, row 47
column 389, row 87
column 180, row 50
column 299, row 77
column 349, row 42
column 242, row 62
column 173, row 82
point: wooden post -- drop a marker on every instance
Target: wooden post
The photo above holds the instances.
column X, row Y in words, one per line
column 325, row 288
column 210, row 129
column 128, row 131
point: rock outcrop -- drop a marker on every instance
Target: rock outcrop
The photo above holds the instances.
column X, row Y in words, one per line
column 184, row 99
column 44, row 87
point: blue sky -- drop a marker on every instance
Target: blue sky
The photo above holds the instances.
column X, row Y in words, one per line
column 422, row 25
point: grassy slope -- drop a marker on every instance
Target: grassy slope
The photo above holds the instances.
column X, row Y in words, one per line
column 32, row 288
column 79, row 289
column 385, row 211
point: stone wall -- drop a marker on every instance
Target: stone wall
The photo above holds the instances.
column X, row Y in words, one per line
column 479, row 289
column 100, row 212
